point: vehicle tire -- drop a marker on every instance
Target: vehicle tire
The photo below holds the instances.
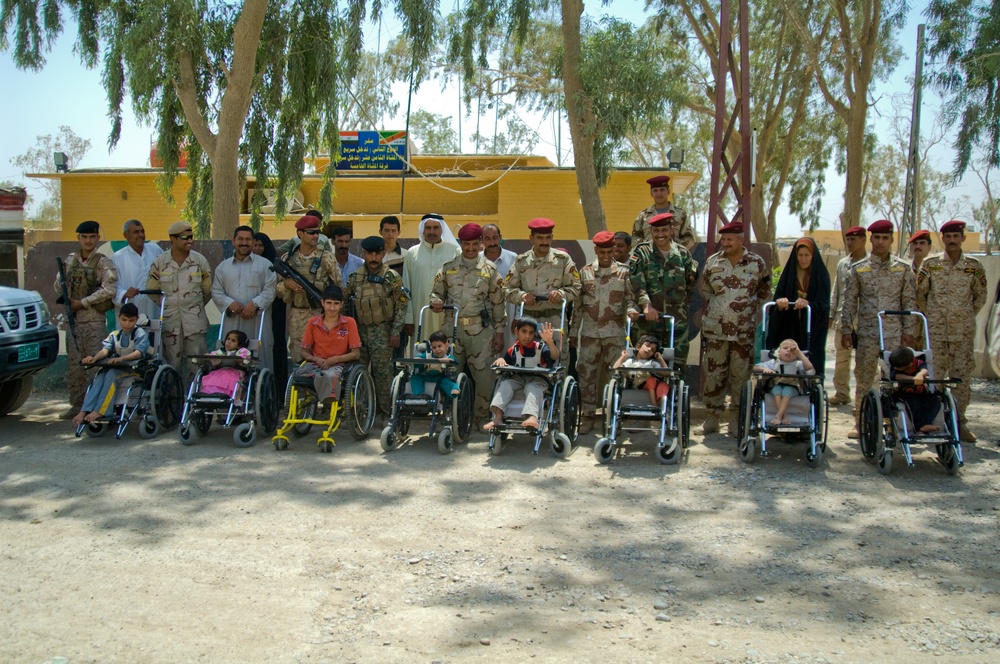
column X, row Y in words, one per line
column 148, row 427
column 266, row 402
column 13, row 394
column 569, row 409
column 245, row 435
column 358, row 402
column 166, row 398
column 462, row 414
column 561, row 445
column 445, row 441
column 604, row 450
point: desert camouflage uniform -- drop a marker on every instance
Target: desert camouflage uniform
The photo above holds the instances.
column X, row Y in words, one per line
column 950, row 295
column 321, row 269
column 684, row 233
column 89, row 281
column 473, row 286
column 188, row 288
column 842, row 369
column 379, row 307
column 918, row 333
column 875, row 285
column 667, row 284
column 599, row 325
column 541, row 276
column 735, row 295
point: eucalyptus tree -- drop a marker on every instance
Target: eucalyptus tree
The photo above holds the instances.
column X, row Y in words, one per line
column 252, row 86
column 38, row 159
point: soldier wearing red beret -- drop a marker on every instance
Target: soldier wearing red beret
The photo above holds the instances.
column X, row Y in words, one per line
column 683, row 232
column 542, row 277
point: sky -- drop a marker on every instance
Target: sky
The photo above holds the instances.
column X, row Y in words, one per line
column 66, row 93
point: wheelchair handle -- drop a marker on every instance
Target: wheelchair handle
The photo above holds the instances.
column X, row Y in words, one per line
column 420, row 322
column 881, row 329
column 663, row 317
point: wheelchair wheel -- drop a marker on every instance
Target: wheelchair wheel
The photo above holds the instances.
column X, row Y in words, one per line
column 445, row 441
column 678, row 391
column 569, row 409
column 561, row 445
column 604, row 450
column 166, row 398
column 265, row 404
column 95, row 429
column 359, row 402
column 245, row 435
column 610, row 390
column 461, row 410
column 870, row 424
column 148, row 427
column 187, row 432
column 686, row 414
column 496, row 444
column 746, row 440
column 388, row 440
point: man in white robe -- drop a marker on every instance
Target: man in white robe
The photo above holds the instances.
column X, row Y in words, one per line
column 133, row 262
column 420, row 264
column 243, row 286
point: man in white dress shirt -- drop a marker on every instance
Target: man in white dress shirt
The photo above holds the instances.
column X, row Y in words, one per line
column 504, row 259
column 133, row 262
column 243, row 285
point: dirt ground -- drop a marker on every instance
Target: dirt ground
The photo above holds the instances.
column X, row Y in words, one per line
column 152, row 551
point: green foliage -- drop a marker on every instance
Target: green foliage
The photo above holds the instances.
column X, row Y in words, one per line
column 965, row 40
column 38, row 159
column 435, row 133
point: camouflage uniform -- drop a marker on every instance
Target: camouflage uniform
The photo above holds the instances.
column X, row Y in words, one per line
column 735, row 295
column 540, row 276
column 684, row 233
column 918, row 333
column 379, row 307
column 842, row 370
column 93, row 282
column 188, row 288
column 667, row 284
column 319, row 268
column 875, row 285
column 950, row 295
column 473, row 287
column 599, row 325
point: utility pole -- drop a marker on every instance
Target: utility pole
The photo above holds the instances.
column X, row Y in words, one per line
column 911, row 198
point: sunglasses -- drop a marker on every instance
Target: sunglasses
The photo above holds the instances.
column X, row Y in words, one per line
column 183, row 237
column 311, row 232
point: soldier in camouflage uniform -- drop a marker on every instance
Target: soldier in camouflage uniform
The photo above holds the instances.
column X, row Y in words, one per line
column 855, row 239
column 664, row 285
column 379, row 304
column 736, row 283
column 920, row 247
column 951, row 289
column 659, row 189
column 598, row 327
column 91, row 280
column 471, row 283
column 542, row 277
column 319, row 266
column 880, row 282
column 185, row 278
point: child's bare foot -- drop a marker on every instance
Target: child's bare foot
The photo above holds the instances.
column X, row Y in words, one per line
column 785, row 420
column 929, row 428
column 495, row 422
column 776, row 421
column 530, row 423
column 456, row 392
column 91, row 416
column 78, row 420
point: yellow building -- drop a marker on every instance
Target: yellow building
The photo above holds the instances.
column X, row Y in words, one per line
column 508, row 190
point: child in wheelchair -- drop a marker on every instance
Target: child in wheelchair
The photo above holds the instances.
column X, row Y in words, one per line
column 329, row 344
column 791, row 362
column 421, row 376
column 911, row 372
column 224, row 379
column 126, row 344
column 647, row 356
column 526, row 353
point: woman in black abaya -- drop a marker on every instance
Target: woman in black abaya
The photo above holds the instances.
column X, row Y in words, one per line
column 264, row 247
column 804, row 282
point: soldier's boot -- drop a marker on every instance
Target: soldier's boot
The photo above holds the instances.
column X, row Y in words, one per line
column 840, row 400
column 711, row 425
column 586, row 424
column 967, row 436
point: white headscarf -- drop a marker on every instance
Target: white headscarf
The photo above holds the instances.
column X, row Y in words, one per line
column 446, row 233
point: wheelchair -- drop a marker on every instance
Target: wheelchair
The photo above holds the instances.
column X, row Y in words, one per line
column 559, row 416
column 808, row 413
column 252, row 406
column 451, row 418
column 151, row 391
column 628, row 409
column 353, row 408
column 886, row 423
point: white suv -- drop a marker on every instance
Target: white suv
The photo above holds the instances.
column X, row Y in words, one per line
column 29, row 342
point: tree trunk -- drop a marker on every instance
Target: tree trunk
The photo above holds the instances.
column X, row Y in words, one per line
column 854, row 186
column 581, row 119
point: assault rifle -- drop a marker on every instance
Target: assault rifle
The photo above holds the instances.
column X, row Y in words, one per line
column 63, row 299
column 286, row 271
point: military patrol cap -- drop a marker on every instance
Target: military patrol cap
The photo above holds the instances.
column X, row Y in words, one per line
column 604, row 239
column 541, row 225
column 432, row 215
column 658, row 181
column 373, row 244
column 306, row 221
column 953, row 226
column 855, row 231
column 88, row 227
column 734, row 227
column 470, row 232
column 664, row 219
column 881, row 226
column 178, row 228
column 922, row 234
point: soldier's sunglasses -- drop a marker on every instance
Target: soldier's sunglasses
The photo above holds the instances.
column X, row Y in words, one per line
column 183, row 237
column 311, row 232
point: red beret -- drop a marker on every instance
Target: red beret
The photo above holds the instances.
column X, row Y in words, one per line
column 881, row 226
column 855, row 231
column 922, row 234
column 659, row 181
column 734, row 227
column 306, row 221
column 953, row 226
column 542, row 225
column 470, row 232
column 604, row 239
column 664, row 219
